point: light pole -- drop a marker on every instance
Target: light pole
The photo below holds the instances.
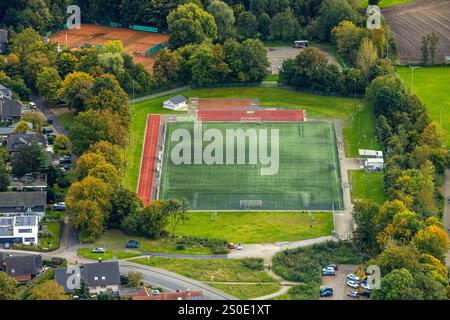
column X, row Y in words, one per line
column 412, row 78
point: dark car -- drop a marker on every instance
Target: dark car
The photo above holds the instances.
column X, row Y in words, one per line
column 326, row 292
column 333, row 265
column 133, row 244
column 365, row 293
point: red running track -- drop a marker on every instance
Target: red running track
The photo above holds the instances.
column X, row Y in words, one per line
column 263, row 115
column 148, row 159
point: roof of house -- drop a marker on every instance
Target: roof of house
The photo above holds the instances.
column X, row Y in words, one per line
column 177, row 99
column 95, row 274
column 23, row 199
column 28, row 180
column 18, row 139
column 10, row 108
column 4, row 91
column 3, row 35
column 23, row 265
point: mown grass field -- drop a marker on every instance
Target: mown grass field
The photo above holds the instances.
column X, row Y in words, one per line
column 108, row 255
column 359, row 133
column 432, row 86
column 116, row 240
column 385, row 3
column 307, row 175
column 257, row 227
column 368, row 185
column 207, row 270
column 247, row 291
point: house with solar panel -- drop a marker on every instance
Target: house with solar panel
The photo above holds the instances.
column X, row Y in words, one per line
column 176, row 103
column 19, row 229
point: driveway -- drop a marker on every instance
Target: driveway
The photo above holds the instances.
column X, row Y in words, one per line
column 43, row 107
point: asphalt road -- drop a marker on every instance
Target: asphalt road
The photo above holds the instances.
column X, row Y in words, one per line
column 42, row 106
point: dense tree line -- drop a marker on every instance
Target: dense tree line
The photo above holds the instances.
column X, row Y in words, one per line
column 243, row 19
column 405, row 234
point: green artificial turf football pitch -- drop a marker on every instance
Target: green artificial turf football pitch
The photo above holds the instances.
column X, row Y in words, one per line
column 306, row 175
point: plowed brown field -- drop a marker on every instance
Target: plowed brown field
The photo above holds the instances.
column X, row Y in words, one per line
column 412, row 21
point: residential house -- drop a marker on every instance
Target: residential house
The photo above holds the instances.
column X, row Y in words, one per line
column 19, row 229
column 29, row 182
column 16, row 140
column 3, row 41
column 10, row 109
column 100, row 276
column 23, row 268
column 143, row 294
column 23, row 203
column 5, row 92
column 175, row 103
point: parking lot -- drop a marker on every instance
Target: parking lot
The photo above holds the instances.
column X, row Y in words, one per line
column 339, row 283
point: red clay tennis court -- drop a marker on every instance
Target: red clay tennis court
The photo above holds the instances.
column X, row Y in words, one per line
column 148, row 159
column 223, row 103
column 136, row 42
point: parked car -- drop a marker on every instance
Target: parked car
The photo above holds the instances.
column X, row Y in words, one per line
column 65, row 159
column 155, row 292
column 133, row 244
column 328, row 271
column 352, row 284
column 326, row 292
column 353, row 294
column 47, row 130
column 98, row 250
column 239, row 246
column 352, row 277
column 365, row 293
column 333, row 265
column 231, row 246
column 32, row 105
column 6, row 245
column 365, row 286
column 60, row 206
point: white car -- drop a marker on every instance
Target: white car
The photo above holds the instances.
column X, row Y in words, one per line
column 365, row 286
column 98, row 250
column 155, row 292
column 239, row 246
column 353, row 277
column 352, row 284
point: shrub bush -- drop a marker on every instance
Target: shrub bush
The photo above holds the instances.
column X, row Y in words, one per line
column 253, row 263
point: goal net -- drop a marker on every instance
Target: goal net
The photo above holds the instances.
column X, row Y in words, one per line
column 251, row 120
column 250, row 204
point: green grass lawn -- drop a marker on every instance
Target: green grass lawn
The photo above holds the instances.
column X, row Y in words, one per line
column 368, row 185
column 316, row 107
column 432, row 86
column 207, row 270
column 306, row 176
column 385, row 3
column 66, row 119
column 247, row 291
column 303, row 291
column 55, row 233
column 257, row 227
column 116, row 240
column 272, row 77
column 108, row 255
